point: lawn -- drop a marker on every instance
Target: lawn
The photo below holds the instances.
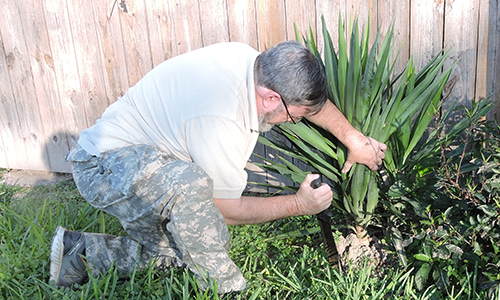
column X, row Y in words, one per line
column 275, row 267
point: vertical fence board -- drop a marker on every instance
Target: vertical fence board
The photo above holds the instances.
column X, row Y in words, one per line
column 331, row 10
column 242, row 22
column 155, row 10
column 46, row 96
column 495, row 4
column 88, row 58
column 13, row 148
column 496, row 62
column 214, row 22
column 66, row 69
column 484, row 72
column 186, row 17
column 366, row 13
column 31, row 128
column 461, row 22
column 161, row 31
column 302, row 13
column 426, row 30
column 396, row 13
column 107, row 22
column 135, row 35
column 271, row 24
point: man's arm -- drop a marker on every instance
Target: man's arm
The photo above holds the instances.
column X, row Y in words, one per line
column 362, row 149
column 253, row 210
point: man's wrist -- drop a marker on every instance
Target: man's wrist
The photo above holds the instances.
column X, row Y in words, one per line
column 294, row 207
column 352, row 138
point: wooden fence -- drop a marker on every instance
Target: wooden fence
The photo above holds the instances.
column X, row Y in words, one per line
column 63, row 62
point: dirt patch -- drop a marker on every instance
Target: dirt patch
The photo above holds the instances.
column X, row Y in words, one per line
column 354, row 251
column 29, row 178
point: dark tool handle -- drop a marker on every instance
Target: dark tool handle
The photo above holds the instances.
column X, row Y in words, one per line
column 316, row 183
column 325, row 223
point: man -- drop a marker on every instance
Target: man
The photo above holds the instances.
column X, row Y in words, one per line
column 167, row 159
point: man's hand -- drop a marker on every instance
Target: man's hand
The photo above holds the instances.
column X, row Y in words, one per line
column 361, row 149
column 253, row 210
column 364, row 150
column 311, row 201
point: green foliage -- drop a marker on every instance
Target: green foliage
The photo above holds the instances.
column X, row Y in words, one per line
column 446, row 210
column 395, row 110
column 286, row 268
column 440, row 186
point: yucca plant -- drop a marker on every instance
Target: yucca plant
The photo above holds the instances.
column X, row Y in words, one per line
column 395, row 109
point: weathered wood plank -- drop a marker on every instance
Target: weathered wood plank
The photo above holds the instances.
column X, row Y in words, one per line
column 161, row 31
column 484, row 68
column 461, row 23
column 426, row 30
column 331, row 10
column 88, row 57
column 135, row 35
column 13, row 149
column 6, row 136
column 66, row 68
column 107, row 22
column 186, row 18
column 496, row 6
column 46, row 97
column 242, row 22
column 271, row 24
column 396, row 13
column 31, row 128
column 214, row 21
column 366, row 13
column 302, row 13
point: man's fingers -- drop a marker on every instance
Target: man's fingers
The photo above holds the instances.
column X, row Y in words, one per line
column 310, row 177
column 323, row 189
column 347, row 166
column 382, row 146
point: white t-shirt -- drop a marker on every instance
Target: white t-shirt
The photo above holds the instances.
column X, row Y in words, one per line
column 199, row 106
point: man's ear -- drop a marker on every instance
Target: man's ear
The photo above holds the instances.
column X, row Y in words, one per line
column 269, row 98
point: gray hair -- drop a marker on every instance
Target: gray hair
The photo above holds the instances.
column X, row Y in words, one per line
column 292, row 71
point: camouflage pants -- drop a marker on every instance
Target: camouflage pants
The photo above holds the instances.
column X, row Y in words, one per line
column 166, row 207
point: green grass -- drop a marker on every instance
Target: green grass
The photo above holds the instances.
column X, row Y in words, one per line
column 286, row 268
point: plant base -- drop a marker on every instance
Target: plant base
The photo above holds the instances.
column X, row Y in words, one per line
column 356, row 251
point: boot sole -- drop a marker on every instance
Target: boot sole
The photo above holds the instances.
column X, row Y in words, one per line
column 56, row 255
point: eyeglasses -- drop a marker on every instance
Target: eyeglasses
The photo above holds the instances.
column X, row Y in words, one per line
column 287, row 111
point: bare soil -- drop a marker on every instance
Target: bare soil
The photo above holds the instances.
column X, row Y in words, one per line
column 30, row 178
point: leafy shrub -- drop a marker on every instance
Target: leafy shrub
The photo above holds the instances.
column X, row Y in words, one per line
column 439, row 188
column 446, row 221
column 394, row 109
